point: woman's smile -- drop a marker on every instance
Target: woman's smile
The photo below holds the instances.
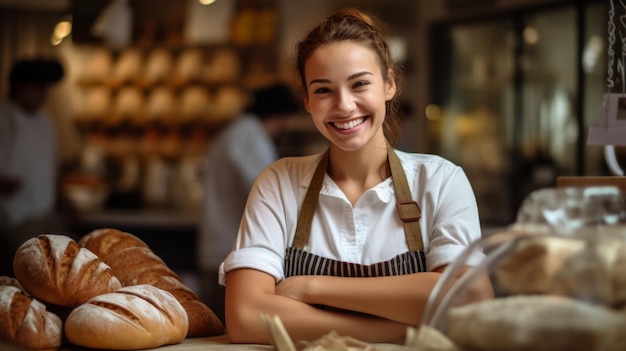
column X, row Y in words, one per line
column 347, row 94
column 347, row 125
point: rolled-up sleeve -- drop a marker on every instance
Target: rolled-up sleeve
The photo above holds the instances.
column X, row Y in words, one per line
column 456, row 223
column 264, row 232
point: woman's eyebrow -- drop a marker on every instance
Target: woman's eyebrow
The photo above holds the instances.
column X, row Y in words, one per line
column 321, row 81
column 359, row 74
column 351, row 77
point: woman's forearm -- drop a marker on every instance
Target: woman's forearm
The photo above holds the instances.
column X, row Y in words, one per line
column 302, row 321
column 400, row 298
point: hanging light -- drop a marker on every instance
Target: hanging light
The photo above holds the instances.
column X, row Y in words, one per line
column 531, row 35
column 62, row 29
column 206, row 2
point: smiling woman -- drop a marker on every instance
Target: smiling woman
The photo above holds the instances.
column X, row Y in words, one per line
column 353, row 239
column 346, row 94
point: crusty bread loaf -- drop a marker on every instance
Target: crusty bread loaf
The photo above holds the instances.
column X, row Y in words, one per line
column 24, row 321
column 54, row 269
column 133, row 317
column 133, row 262
column 6, row 280
column 105, row 242
column 538, row 323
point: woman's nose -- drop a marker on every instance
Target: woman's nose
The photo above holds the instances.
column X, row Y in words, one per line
column 345, row 102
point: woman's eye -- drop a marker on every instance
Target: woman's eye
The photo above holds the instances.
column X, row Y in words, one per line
column 321, row 90
column 361, row 84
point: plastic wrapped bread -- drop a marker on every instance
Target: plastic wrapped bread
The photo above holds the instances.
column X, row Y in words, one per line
column 538, row 323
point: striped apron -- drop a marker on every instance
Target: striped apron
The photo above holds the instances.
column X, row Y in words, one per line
column 300, row 262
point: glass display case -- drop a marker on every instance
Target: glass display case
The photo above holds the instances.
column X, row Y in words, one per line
column 555, row 279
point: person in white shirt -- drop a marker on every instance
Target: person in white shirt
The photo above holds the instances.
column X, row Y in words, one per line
column 352, row 240
column 240, row 152
column 28, row 157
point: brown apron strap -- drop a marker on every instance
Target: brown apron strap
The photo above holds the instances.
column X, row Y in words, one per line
column 307, row 211
column 408, row 209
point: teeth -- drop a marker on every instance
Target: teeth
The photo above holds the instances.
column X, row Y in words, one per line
column 348, row 125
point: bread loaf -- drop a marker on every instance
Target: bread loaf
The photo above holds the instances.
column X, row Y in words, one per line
column 133, row 262
column 566, row 266
column 133, row 317
column 24, row 321
column 538, row 323
column 54, row 269
column 6, row 280
column 532, row 265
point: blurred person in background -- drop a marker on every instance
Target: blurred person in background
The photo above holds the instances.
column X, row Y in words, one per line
column 28, row 158
column 240, row 152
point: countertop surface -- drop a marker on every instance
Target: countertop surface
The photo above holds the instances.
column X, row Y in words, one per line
column 221, row 342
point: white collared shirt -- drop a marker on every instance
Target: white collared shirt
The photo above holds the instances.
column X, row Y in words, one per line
column 367, row 233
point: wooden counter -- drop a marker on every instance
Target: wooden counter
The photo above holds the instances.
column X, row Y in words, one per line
column 214, row 343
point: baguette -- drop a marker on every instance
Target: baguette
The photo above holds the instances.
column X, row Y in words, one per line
column 25, row 322
column 133, row 262
column 55, row 270
column 133, row 317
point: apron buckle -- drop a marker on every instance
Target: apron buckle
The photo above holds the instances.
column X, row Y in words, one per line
column 409, row 211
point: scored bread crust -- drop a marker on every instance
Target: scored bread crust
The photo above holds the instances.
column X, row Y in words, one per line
column 107, row 241
column 133, row 317
column 24, row 321
column 133, row 262
column 6, row 280
column 54, row 269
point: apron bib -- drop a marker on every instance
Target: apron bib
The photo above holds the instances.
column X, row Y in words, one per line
column 300, row 262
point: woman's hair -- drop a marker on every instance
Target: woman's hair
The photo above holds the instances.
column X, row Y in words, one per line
column 354, row 25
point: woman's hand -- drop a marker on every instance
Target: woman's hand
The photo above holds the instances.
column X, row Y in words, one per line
column 297, row 288
column 250, row 292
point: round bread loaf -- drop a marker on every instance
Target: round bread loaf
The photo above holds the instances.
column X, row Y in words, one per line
column 133, row 262
column 54, row 269
column 24, row 321
column 6, row 280
column 105, row 242
column 133, row 317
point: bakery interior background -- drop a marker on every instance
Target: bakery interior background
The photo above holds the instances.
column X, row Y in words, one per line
column 504, row 88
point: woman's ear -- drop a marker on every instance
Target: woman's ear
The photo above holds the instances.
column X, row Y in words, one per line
column 305, row 102
column 390, row 85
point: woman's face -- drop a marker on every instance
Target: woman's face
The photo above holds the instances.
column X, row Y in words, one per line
column 346, row 94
